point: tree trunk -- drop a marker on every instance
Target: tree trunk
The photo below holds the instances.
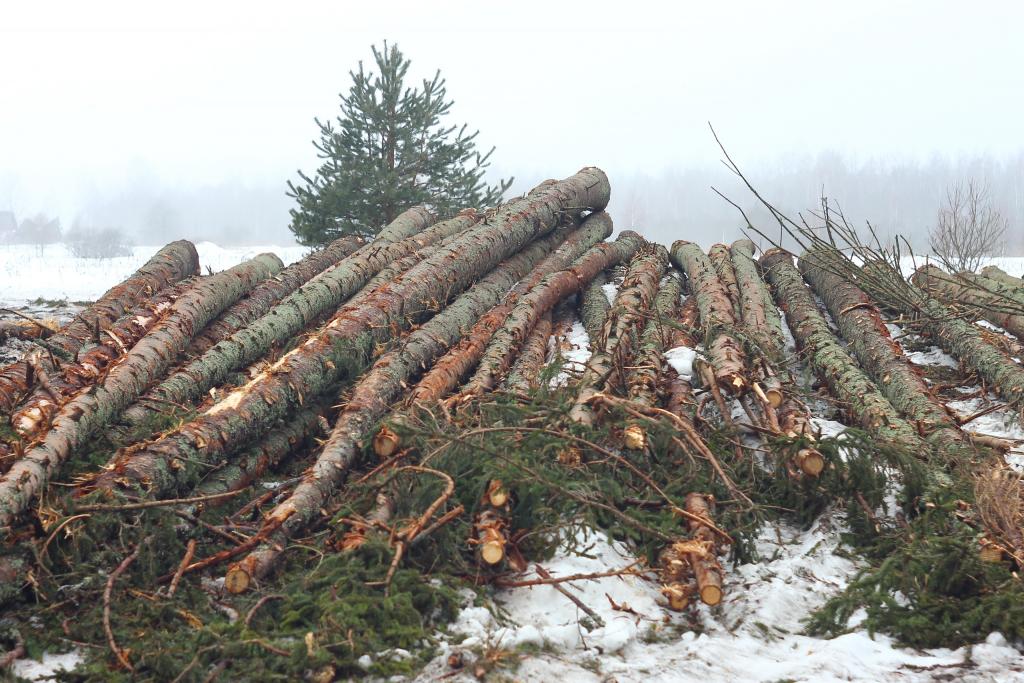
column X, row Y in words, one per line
column 716, row 315
column 648, row 369
column 868, row 339
column 453, row 367
column 265, row 295
column 983, row 296
column 89, row 411
column 542, row 298
column 279, row 325
column 720, row 258
column 859, row 397
column 177, row 261
column 594, row 307
column 370, row 400
column 618, row 339
column 955, row 335
column 525, row 372
column 344, row 343
column 32, row 419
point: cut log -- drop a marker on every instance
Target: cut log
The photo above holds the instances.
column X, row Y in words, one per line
column 451, row 369
column 297, row 311
column 1001, row 276
column 758, row 314
column 269, row 293
column 177, row 261
column 344, row 344
column 373, row 395
column 868, row 339
column 89, row 411
column 594, row 307
column 706, row 569
column 854, row 390
column 32, row 419
column 648, row 368
column 26, row 329
column 721, row 259
column 716, row 315
column 523, row 376
column 619, row 334
column 987, row 299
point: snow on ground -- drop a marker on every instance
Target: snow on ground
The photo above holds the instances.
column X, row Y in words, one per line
column 1012, row 265
column 755, row 635
column 575, row 349
column 27, row 273
column 45, row 669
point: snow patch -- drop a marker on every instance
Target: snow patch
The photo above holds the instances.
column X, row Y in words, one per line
column 47, row 667
column 933, row 356
column 681, row 359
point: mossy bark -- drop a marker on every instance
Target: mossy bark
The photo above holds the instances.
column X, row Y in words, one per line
column 297, row 311
column 83, row 416
column 648, row 368
column 344, row 344
column 721, row 259
column 176, row 261
column 594, row 307
column 1001, row 276
column 525, row 371
column 455, row 365
column 868, row 339
column 983, row 297
column 270, row 292
column 373, row 395
column 716, row 315
column 854, row 390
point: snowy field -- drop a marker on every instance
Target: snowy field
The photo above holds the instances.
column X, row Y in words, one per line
column 28, row 273
column 756, row 634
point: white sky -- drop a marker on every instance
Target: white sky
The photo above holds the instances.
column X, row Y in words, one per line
column 94, row 95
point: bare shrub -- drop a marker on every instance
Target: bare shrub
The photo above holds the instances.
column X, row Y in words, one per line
column 102, row 243
column 969, row 228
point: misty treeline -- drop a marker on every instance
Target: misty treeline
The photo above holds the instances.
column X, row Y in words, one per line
column 896, row 198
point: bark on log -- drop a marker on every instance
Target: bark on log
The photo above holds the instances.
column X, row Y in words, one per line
column 594, row 307
column 344, row 343
column 24, row 329
column 89, row 411
column 523, row 376
column 986, row 298
column 176, row 261
column 706, row 569
column 954, row 334
column 297, row 311
column 372, row 397
column 868, row 338
column 269, row 293
column 679, row 398
column 648, row 368
column 758, row 314
column 32, row 419
column 619, row 335
column 721, row 259
column 716, row 314
column 858, row 395
column 1001, row 276
column 455, row 365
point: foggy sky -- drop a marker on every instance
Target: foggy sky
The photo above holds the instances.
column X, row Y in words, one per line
column 105, row 101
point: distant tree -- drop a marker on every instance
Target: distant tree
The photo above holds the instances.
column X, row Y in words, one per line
column 389, row 150
column 968, row 228
column 39, row 230
column 86, row 242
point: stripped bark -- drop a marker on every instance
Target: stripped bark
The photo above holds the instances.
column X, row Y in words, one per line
column 89, row 411
column 525, row 371
column 856, row 393
column 343, row 344
column 451, row 369
column 176, row 261
column 982, row 297
column 268, row 293
column 716, row 314
column 955, row 335
column 370, row 400
column 594, row 307
column 297, row 311
column 882, row 359
column 619, row 335
column 32, row 419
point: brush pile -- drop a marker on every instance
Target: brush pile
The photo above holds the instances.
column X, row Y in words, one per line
column 274, row 471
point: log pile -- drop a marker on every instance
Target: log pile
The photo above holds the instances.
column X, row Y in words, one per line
column 380, row 404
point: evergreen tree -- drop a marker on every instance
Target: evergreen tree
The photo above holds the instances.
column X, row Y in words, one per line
column 387, row 151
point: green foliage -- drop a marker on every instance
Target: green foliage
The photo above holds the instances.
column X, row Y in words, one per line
column 388, row 150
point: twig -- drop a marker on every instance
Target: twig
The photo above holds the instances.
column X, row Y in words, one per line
column 576, row 601
column 190, row 552
column 549, row 580
column 106, row 606
column 159, row 503
column 259, row 603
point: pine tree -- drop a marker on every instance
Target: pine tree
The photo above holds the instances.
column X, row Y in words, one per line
column 387, row 151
